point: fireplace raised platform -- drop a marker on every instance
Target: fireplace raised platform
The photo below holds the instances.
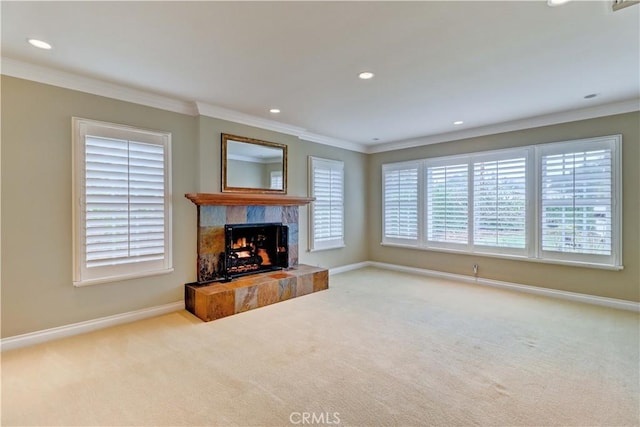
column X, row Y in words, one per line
column 217, row 300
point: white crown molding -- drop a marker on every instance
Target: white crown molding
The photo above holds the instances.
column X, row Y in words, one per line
column 529, row 123
column 37, row 337
column 334, row 142
column 24, row 70
column 217, row 112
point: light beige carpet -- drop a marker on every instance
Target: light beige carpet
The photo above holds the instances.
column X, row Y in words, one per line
column 378, row 348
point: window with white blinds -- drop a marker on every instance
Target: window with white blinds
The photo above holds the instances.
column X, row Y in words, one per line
column 578, row 201
column 326, row 184
column 122, row 202
column 448, row 203
column 400, row 202
column 557, row 202
column 500, row 202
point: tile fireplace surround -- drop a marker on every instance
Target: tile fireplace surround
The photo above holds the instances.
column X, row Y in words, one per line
column 215, row 300
column 216, row 210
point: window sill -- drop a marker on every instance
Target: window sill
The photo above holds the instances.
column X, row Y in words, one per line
column 112, row 279
column 509, row 257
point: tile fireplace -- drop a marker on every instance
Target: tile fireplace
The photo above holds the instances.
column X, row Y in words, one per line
column 245, row 237
column 217, row 210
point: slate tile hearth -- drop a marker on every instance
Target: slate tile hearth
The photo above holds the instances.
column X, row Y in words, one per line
column 211, row 302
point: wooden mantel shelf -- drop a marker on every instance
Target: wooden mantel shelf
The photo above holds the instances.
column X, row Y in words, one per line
column 234, row 199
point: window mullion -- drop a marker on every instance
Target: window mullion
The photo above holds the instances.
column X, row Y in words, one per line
column 470, row 205
column 129, row 197
column 573, row 176
column 421, row 200
column 497, row 203
column 533, row 216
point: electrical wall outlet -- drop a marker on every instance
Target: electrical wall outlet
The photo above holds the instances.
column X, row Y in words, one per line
column 475, row 269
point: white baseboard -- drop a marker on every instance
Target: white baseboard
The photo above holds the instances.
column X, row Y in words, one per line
column 554, row 293
column 32, row 338
column 349, row 267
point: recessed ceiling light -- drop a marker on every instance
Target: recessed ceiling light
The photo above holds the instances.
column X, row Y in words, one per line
column 554, row 3
column 366, row 75
column 274, row 110
column 591, row 95
column 459, row 122
column 375, row 139
column 39, row 44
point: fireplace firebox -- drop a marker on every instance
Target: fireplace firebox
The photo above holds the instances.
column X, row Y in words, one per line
column 255, row 248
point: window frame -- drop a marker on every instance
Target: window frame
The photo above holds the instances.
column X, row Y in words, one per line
column 614, row 143
column 337, row 242
column 83, row 275
column 392, row 167
column 500, row 155
column 439, row 162
column 533, row 204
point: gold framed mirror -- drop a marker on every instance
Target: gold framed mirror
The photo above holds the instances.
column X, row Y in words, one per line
column 253, row 166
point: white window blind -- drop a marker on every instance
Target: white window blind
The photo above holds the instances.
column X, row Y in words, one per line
column 499, row 203
column 123, row 197
column 400, row 202
column 327, row 211
column 448, row 203
column 577, row 202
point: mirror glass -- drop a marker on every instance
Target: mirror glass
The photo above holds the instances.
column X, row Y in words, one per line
column 253, row 166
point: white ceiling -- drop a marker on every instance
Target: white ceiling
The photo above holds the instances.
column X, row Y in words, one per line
column 435, row 62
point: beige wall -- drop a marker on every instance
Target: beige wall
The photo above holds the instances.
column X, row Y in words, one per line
column 36, row 277
column 614, row 284
column 37, row 289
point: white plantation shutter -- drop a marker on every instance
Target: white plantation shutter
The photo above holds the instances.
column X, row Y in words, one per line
column 327, row 211
column 400, row 202
column 448, row 203
column 577, row 200
column 557, row 202
column 123, row 218
column 124, row 201
column 500, row 202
